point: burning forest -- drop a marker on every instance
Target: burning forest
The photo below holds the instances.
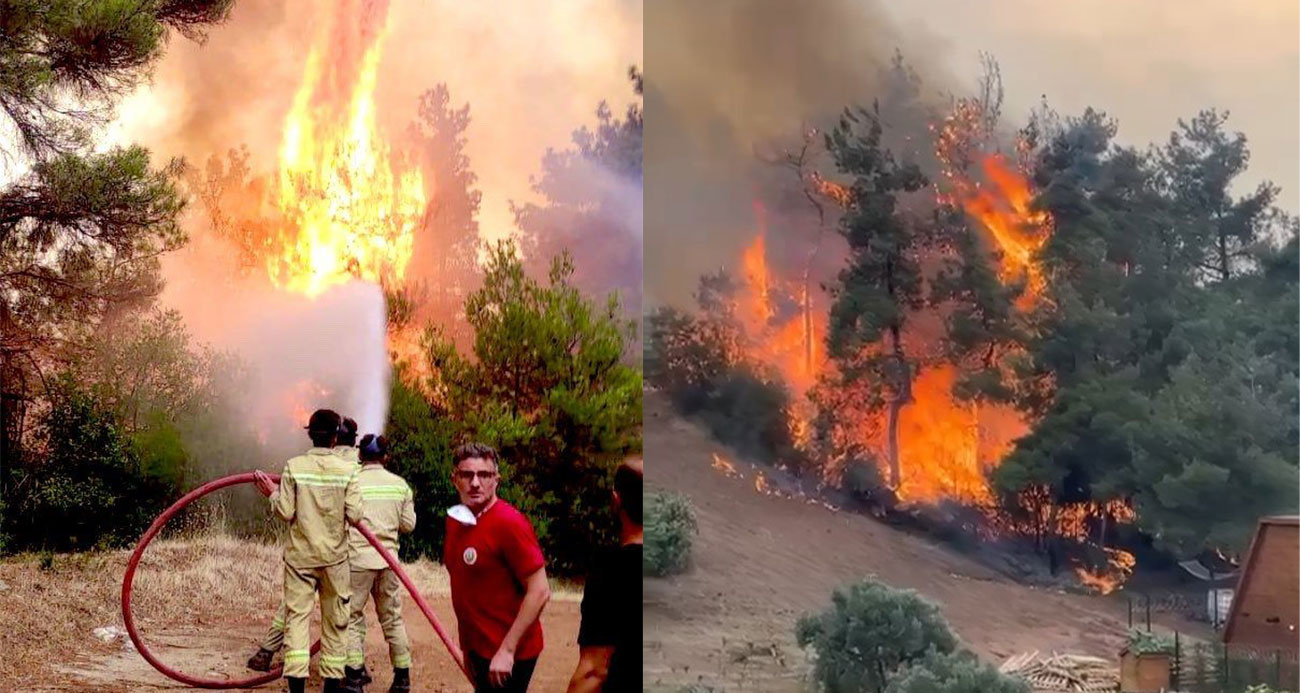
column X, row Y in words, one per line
column 902, row 314
column 337, row 229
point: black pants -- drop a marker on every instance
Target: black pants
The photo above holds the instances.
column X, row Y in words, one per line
column 520, row 676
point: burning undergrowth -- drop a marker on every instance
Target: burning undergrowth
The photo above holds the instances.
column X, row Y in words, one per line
column 874, row 324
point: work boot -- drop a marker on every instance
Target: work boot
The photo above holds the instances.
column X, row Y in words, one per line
column 296, row 685
column 401, row 681
column 365, row 676
column 262, row 660
column 334, row 686
column 356, row 678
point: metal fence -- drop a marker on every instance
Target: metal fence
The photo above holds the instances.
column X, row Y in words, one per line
column 1214, row 667
column 1203, row 667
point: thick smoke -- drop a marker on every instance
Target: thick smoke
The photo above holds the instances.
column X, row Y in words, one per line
column 729, row 80
column 327, row 351
column 531, row 72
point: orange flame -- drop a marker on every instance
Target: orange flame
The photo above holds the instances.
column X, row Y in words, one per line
column 721, row 464
column 347, row 213
column 947, row 446
column 786, row 342
column 1119, row 565
column 1018, row 231
column 303, row 398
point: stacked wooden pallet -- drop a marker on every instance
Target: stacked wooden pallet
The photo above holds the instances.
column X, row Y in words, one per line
column 1063, row 672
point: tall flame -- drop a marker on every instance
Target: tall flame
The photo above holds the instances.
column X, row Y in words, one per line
column 1017, row 230
column 346, row 212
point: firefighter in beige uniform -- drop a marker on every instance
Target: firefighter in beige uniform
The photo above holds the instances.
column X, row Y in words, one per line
column 318, row 495
column 261, row 661
column 389, row 509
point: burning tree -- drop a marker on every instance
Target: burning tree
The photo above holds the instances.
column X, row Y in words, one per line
column 1172, row 380
column 882, row 283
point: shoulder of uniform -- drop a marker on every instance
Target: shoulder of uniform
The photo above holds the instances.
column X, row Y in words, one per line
column 397, row 479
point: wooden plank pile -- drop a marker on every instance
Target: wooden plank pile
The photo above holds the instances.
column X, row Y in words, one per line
column 1063, row 672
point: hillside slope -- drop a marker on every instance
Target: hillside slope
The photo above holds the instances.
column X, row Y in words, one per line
column 762, row 561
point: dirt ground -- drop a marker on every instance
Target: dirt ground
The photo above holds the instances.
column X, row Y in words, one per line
column 760, row 562
column 203, row 607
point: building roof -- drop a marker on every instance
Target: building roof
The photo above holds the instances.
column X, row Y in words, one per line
column 1275, row 587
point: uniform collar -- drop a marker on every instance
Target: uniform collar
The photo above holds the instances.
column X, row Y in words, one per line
column 321, row 451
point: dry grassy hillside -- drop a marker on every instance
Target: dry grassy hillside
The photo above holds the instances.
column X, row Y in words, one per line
column 761, row 561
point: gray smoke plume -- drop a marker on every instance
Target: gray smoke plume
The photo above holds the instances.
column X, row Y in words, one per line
column 727, row 80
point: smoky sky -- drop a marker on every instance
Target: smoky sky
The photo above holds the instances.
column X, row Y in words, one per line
column 729, row 77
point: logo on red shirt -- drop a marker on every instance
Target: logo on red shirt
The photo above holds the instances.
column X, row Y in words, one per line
column 470, row 556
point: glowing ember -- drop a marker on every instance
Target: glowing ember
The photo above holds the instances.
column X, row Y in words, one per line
column 346, row 212
column 724, row 466
column 1119, row 565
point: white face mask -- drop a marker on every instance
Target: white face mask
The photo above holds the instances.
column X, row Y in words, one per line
column 462, row 514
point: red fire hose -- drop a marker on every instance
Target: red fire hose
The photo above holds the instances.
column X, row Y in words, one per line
column 251, row 682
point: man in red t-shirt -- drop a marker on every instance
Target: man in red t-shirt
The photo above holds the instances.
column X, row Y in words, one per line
column 498, row 577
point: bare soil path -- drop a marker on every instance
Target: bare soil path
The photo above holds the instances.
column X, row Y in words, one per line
column 203, row 605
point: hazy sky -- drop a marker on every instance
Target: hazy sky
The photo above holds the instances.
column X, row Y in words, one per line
column 1144, row 62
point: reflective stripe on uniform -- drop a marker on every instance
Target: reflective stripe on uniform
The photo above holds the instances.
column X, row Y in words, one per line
column 277, row 624
column 402, row 661
column 382, row 493
column 327, row 660
column 356, row 660
column 297, row 654
column 312, row 479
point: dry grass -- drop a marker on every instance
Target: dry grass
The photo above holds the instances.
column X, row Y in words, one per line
column 52, row 604
column 64, row 597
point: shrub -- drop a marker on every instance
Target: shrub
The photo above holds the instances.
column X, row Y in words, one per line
column 547, row 385
column 960, row 672
column 1147, row 642
column 91, row 487
column 748, row 412
column 861, row 478
column 869, row 631
column 669, row 525
column 419, row 451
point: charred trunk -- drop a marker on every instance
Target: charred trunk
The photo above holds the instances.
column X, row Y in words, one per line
column 902, row 377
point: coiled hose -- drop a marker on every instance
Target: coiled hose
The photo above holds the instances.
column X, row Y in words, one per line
column 254, row 681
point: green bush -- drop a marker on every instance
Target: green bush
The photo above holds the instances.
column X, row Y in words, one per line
column 693, row 361
column 869, row 631
column 669, row 526
column 959, row 672
column 547, row 385
column 419, row 441
column 861, row 478
column 93, row 486
column 1148, row 642
column 749, row 413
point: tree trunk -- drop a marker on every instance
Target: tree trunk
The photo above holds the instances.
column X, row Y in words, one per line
column 902, row 397
column 1223, row 257
column 807, row 326
column 895, row 472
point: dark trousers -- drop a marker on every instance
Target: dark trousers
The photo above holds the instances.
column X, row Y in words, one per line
column 520, row 676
